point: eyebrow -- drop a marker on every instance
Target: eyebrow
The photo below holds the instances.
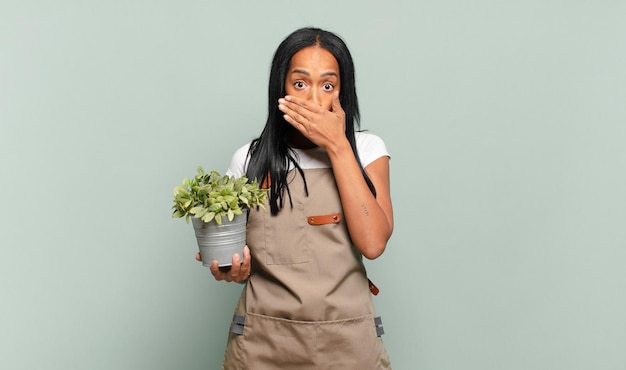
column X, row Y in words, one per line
column 306, row 73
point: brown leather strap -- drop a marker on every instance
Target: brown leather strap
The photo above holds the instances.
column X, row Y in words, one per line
column 373, row 288
column 333, row 218
column 267, row 183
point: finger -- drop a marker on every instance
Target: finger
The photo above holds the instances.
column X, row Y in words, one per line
column 244, row 271
column 336, row 104
column 294, row 122
column 198, row 257
column 240, row 270
column 295, row 102
column 235, row 268
column 292, row 115
column 246, row 255
column 300, row 107
column 215, row 271
column 293, row 119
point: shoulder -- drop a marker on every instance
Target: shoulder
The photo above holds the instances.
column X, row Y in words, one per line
column 239, row 161
column 370, row 147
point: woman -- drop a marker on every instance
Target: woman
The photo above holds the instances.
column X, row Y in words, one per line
column 306, row 303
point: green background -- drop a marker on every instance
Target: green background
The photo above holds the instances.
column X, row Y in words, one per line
column 506, row 122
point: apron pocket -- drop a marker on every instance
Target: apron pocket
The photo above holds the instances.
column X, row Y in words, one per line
column 271, row 244
column 270, row 343
column 273, row 343
column 351, row 344
column 286, row 237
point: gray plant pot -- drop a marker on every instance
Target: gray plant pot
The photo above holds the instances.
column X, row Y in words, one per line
column 220, row 242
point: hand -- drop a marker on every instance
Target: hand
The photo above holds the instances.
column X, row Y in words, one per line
column 321, row 126
column 237, row 272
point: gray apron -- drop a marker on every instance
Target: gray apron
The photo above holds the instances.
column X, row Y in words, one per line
column 307, row 303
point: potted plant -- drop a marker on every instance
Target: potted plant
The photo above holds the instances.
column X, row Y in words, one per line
column 218, row 206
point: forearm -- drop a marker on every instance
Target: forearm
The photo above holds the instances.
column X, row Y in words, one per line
column 369, row 222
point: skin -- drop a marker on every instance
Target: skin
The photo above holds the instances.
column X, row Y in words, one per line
column 312, row 108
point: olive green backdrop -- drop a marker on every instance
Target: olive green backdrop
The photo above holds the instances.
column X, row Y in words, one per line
column 506, row 121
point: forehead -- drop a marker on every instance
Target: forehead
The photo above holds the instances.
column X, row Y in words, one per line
column 314, row 58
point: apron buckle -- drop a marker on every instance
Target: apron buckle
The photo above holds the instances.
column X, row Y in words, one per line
column 239, row 321
column 379, row 326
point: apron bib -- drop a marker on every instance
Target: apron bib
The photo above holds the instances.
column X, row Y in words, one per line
column 307, row 303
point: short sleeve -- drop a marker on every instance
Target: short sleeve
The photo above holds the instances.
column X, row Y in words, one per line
column 370, row 147
column 238, row 162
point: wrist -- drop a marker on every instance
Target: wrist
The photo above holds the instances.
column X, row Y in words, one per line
column 340, row 148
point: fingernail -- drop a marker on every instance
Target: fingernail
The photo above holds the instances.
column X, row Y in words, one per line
column 287, row 97
column 281, row 101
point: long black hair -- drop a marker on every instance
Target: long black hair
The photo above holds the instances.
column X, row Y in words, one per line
column 270, row 154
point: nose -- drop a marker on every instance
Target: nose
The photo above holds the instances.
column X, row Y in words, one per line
column 315, row 97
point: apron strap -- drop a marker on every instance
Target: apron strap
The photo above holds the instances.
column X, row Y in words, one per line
column 333, row 218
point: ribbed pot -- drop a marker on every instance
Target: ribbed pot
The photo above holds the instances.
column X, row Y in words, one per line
column 220, row 242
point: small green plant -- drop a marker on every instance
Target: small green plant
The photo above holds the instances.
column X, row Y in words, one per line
column 211, row 196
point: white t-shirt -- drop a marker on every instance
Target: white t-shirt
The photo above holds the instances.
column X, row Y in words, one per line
column 369, row 146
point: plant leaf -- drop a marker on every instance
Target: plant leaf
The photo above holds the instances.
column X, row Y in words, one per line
column 208, row 216
column 196, row 210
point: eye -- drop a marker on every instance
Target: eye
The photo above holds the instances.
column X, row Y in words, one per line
column 328, row 87
column 299, row 85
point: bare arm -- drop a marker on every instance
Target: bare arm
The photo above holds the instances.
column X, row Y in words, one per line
column 369, row 218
